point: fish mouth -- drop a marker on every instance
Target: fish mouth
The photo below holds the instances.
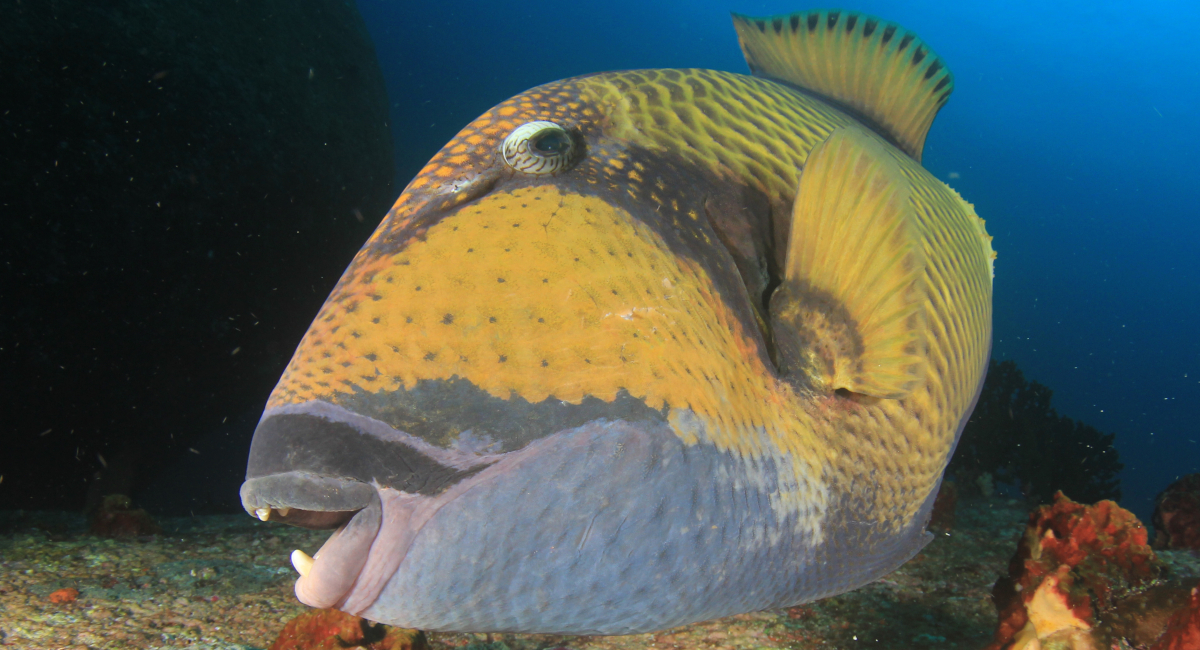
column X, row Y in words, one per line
column 319, row 466
column 351, row 508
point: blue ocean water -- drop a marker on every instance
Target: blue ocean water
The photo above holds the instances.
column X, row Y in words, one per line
column 1072, row 129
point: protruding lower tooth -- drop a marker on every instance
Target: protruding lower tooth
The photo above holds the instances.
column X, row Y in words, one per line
column 302, row 562
column 283, row 511
column 262, row 513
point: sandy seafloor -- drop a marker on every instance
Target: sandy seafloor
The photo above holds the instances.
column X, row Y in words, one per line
column 225, row 582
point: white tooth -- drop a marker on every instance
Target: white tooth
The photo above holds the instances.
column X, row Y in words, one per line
column 262, row 513
column 302, row 562
column 283, row 511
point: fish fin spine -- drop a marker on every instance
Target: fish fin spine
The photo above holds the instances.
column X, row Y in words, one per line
column 850, row 312
column 876, row 68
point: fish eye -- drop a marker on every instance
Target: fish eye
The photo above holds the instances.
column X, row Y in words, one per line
column 538, row 148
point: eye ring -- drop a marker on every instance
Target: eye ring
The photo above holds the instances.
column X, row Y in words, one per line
column 539, row 148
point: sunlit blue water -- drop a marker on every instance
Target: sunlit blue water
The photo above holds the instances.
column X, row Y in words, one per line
column 1073, row 129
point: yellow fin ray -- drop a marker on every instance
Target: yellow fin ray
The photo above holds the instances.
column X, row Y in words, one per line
column 878, row 69
column 850, row 311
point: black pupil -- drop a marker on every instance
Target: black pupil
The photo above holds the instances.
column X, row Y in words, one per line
column 551, row 142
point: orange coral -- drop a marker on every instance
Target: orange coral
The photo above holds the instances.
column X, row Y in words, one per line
column 329, row 629
column 1068, row 565
column 64, row 595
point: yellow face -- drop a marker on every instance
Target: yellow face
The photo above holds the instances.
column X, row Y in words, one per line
column 610, row 276
column 605, row 248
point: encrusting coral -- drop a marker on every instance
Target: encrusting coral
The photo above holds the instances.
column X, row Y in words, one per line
column 1084, row 578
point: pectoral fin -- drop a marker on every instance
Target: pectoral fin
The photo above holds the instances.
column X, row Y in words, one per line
column 850, row 311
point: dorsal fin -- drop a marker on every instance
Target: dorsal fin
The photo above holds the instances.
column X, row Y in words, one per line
column 876, row 68
column 850, row 311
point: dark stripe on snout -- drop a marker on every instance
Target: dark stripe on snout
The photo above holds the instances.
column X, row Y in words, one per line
column 296, row 442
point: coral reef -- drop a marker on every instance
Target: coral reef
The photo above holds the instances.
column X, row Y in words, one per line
column 64, row 595
column 329, row 629
column 116, row 517
column 1015, row 437
column 1177, row 515
column 1084, row 577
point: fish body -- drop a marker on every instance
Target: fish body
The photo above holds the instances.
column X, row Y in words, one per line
column 643, row 348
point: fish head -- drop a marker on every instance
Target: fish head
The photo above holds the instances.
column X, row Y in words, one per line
column 516, row 405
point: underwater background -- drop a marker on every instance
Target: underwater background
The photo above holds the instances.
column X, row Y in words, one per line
column 140, row 336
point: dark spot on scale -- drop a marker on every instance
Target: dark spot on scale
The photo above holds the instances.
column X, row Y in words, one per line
column 576, row 259
column 430, row 356
column 945, row 96
column 408, row 319
column 545, row 363
column 376, row 297
column 942, row 84
column 850, row 23
column 545, row 280
column 587, row 360
column 491, row 319
column 762, row 26
column 908, row 38
column 516, row 225
column 503, row 358
column 447, row 319
column 795, row 22
column 833, row 19
column 541, row 320
column 499, row 279
column 524, row 205
column 812, row 21
column 888, row 33
column 371, row 357
column 418, row 287
column 919, row 56
column 470, row 250
column 933, row 69
column 778, row 25
column 375, row 320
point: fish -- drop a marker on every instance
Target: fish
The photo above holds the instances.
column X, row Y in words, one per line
column 643, row 348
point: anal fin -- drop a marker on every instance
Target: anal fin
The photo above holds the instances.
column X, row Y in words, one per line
column 850, row 311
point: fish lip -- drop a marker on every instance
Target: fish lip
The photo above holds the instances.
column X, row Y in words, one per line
column 309, row 500
column 337, row 567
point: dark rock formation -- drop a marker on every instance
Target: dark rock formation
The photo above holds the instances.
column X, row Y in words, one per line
column 1177, row 515
column 182, row 183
